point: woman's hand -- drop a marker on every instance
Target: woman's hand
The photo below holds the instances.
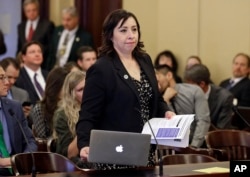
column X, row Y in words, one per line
column 169, row 114
column 84, row 153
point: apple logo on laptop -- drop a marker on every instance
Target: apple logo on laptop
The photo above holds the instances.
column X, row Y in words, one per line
column 119, row 148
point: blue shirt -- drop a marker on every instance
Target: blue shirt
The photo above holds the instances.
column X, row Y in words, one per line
column 5, row 130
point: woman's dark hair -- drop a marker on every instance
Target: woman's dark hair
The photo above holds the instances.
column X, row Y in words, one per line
column 70, row 65
column 54, row 83
column 110, row 22
column 170, row 55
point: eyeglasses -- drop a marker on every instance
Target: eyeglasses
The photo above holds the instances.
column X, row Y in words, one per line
column 3, row 78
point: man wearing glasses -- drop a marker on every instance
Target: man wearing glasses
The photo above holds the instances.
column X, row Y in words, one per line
column 12, row 140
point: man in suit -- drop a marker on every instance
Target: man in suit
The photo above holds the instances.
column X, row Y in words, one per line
column 11, row 137
column 185, row 99
column 67, row 38
column 86, row 57
column 239, row 84
column 34, row 28
column 32, row 78
column 220, row 100
column 12, row 70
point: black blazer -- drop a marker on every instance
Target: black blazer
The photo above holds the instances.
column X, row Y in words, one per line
column 17, row 139
column 241, row 91
column 2, row 44
column 81, row 38
column 24, row 82
column 42, row 34
column 111, row 101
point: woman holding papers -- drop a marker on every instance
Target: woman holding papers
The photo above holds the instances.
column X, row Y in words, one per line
column 121, row 91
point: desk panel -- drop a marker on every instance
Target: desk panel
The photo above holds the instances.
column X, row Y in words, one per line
column 183, row 170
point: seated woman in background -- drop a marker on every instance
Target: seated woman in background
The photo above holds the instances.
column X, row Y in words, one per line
column 167, row 57
column 192, row 60
column 71, row 66
column 67, row 114
column 42, row 113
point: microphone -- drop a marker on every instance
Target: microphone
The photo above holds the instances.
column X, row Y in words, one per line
column 25, row 137
column 157, row 146
column 158, row 151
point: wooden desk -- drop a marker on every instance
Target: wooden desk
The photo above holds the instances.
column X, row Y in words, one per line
column 184, row 170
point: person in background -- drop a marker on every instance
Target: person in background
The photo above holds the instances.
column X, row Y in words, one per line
column 167, row 57
column 67, row 114
column 67, row 38
column 193, row 60
column 12, row 140
column 12, row 70
column 42, row 113
column 239, row 84
column 3, row 47
column 121, row 91
column 34, row 28
column 19, row 59
column 220, row 100
column 32, row 77
column 185, row 99
column 71, row 66
column 86, row 57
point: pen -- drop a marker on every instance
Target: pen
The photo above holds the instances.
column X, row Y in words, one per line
column 178, row 122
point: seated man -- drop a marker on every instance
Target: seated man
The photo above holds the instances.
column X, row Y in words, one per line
column 239, row 83
column 12, row 139
column 86, row 57
column 12, row 69
column 220, row 100
column 32, row 77
column 185, row 99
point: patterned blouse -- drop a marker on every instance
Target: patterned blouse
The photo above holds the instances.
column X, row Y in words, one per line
column 145, row 95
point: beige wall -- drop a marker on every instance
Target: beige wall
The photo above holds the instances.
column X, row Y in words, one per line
column 56, row 7
column 213, row 29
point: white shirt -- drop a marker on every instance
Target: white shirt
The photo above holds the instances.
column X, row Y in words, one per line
column 236, row 80
column 208, row 92
column 64, row 58
column 39, row 77
column 27, row 27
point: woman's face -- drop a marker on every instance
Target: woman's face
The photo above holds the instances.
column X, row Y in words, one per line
column 191, row 62
column 164, row 60
column 79, row 90
column 125, row 37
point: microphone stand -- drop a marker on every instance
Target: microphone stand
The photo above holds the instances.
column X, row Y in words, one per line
column 158, row 151
column 33, row 171
column 157, row 146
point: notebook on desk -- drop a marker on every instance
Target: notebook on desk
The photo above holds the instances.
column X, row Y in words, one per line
column 123, row 148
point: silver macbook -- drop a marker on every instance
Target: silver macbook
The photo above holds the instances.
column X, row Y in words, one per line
column 122, row 148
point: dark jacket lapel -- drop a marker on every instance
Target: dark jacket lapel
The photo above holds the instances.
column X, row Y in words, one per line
column 123, row 74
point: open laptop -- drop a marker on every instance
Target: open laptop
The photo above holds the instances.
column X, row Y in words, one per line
column 122, row 148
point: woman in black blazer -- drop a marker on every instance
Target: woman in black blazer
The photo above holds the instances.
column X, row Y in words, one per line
column 121, row 91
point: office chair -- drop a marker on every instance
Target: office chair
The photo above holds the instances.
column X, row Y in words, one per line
column 234, row 144
column 51, row 144
column 45, row 162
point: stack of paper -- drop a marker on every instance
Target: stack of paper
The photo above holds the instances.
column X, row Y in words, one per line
column 170, row 132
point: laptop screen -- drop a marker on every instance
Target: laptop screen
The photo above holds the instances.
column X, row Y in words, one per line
column 121, row 148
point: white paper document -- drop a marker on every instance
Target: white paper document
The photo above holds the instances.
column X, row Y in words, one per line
column 170, row 132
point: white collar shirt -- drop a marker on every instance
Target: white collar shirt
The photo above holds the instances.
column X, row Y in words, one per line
column 34, row 25
column 71, row 37
column 39, row 77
